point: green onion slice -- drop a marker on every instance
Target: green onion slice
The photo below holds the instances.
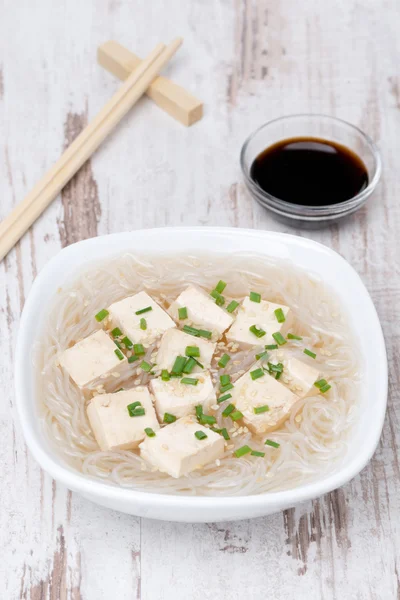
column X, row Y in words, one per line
column 221, row 285
column 138, row 349
column 224, row 379
column 309, row 353
column 189, row 381
column 254, row 297
column 149, row 432
column 232, row 306
column 224, row 361
column 271, row 347
column 242, row 451
column 102, row 314
column 291, row 336
column 168, row 418
column 145, row 366
column 224, row 433
column 325, row 388
column 205, row 334
column 258, row 410
column 271, row 443
column 226, row 388
column 200, row 435
column 207, row 420
column 223, row 398
column 321, row 383
column 132, row 358
column 257, row 331
column 116, row 332
column 199, row 411
column 165, row 375
column 189, row 366
column 256, row 374
column 219, row 300
column 263, row 354
column 192, row 351
column 143, row 324
column 119, row 354
column 143, row 310
column 182, row 312
column 236, row 415
column 278, row 337
column 178, row 365
column 256, row 453
column 280, row 317
column 228, row 410
column 127, row 342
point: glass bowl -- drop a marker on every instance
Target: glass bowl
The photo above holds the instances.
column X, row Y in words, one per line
column 318, row 126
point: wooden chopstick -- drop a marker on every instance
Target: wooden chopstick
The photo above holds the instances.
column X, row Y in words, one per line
column 21, row 218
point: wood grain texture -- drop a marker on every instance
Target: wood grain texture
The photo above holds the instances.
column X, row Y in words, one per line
column 250, row 61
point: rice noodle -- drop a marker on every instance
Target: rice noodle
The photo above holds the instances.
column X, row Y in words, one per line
column 313, row 441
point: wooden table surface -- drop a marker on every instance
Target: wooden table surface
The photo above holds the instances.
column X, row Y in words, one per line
column 250, row 61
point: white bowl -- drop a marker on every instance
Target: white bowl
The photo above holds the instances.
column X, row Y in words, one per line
column 304, row 253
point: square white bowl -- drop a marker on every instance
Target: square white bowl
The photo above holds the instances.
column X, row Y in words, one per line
column 303, row 253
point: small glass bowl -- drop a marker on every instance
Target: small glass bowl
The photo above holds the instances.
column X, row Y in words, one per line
column 319, row 126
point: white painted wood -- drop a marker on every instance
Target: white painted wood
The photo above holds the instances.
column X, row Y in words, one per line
column 249, row 61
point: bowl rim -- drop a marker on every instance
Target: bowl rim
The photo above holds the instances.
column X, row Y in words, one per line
column 307, row 211
column 94, row 488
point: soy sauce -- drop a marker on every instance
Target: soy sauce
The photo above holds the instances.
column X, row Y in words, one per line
column 309, row 171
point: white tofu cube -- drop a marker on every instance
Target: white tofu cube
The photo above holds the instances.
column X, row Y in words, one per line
column 177, row 451
column 123, row 315
column 297, row 375
column 203, row 313
column 249, row 394
column 113, row 427
column 262, row 315
column 93, row 360
column 180, row 399
column 174, row 343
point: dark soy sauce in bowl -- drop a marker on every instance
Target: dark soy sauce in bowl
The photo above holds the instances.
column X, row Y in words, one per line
column 309, row 171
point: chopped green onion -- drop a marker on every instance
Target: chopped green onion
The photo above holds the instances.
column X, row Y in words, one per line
column 207, row 420
column 149, row 432
column 320, row 383
column 165, row 375
column 199, row 411
column 138, row 412
column 325, row 388
column 143, row 324
column 219, row 300
column 143, row 310
column 178, row 365
column 182, row 312
column 168, row 418
column 225, row 434
column 258, row 410
column 271, row 347
column 189, row 381
column 192, row 351
column 280, row 317
column 278, row 337
column 263, row 354
column 116, row 332
column 256, row 374
column 271, row 443
column 200, row 435
column 131, row 407
column 254, row 297
column 228, row 410
column 205, row 334
column 221, row 285
column 127, row 342
column 226, row 388
column 256, row 453
column 225, row 379
column 278, row 368
column 309, row 353
column 117, row 344
column 291, row 336
column 132, row 358
column 102, row 314
column 119, row 354
column 224, row 361
column 242, row 451
column 232, row 306
column 191, row 330
column 236, row 415
column 189, row 366
column 223, row 398
column 145, row 366
column 139, row 349
column 257, row 331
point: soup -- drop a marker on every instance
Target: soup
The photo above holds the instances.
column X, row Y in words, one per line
column 198, row 375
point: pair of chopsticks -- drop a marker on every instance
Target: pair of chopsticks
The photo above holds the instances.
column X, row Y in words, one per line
column 25, row 214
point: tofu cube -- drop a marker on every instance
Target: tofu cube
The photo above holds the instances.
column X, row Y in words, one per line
column 93, row 360
column 177, row 451
column 297, row 375
column 203, row 313
column 180, row 399
column 265, row 391
column 174, row 343
column 261, row 314
column 123, row 315
column 113, row 427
